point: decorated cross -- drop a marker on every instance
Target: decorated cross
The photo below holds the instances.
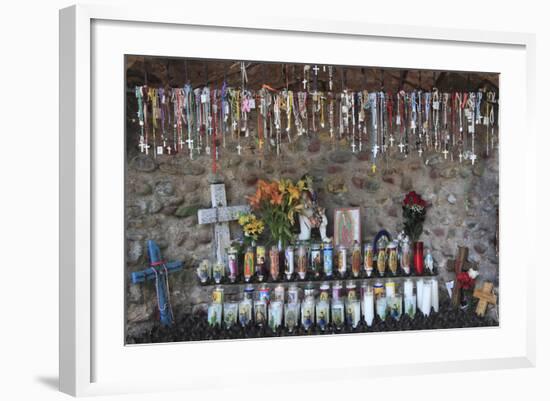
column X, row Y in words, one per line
column 158, row 270
column 219, row 215
column 459, row 265
column 485, row 296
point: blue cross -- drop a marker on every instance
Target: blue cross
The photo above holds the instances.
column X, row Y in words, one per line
column 159, row 269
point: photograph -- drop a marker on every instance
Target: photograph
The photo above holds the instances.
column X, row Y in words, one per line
column 244, row 179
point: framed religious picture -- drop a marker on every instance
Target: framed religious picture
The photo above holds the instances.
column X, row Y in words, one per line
column 197, row 180
column 347, row 227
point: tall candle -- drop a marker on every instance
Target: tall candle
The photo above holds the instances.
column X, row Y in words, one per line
column 435, row 295
column 426, row 298
column 368, row 306
column 408, row 288
column 419, row 290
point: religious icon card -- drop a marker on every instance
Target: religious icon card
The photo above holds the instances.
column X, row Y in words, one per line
column 267, row 199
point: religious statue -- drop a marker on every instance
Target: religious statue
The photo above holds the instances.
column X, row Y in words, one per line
column 312, row 216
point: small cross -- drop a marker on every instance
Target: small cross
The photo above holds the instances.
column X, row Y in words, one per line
column 304, row 82
column 473, row 158
column 207, row 149
column 169, row 149
column 353, row 146
column 234, row 125
column 239, row 147
column 144, row 147
column 189, row 142
column 445, row 152
column 391, row 141
column 460, row 157
column 198, row 150
column 420, row 151
column 485, row 296
column 316, row 69
column 210, row 129
column 373, row 168
column 401, row 146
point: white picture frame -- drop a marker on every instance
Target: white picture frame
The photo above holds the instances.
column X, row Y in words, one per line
column 93, row 358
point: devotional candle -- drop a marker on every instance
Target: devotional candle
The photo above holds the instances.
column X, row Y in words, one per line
column 381, row 260
column 328, row 257
column 342, row 260
column 275, row 315
column 293, row 295
column 302, row 261
column 408, row 288
column 435, row 295
column 233, row 263
column 308, row 313
column 292, row 311
column 322, row 314
column 279, row 293
column 353, row 313
column 368, row 306
column 426, row 297
column 337, row 309
column 419, row 292
column 316, row 259
column 419, row 258
column 406, row 257
column 381, row 307
column 390, row 288
column 260, row 262
column 274, row 262
column 369, row 259
column 392, row 258
column 289, row 262
column 337, row 291
column 230, row 311
column 356, row 259
column 351, row 290
column 248, row 263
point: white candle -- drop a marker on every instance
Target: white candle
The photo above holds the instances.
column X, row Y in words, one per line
column 435, row 295
column 426, row 298
column 368, row 307
column 408, row 288
column 419, row 288
column 390, row 289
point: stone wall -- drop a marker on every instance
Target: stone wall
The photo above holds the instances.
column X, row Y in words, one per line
column 163, row 197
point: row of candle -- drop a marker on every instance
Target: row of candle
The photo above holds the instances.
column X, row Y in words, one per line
column 316, row 260
column 269, row 307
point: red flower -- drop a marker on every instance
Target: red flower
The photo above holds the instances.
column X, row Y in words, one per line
column 412, row 198
column 465, row 281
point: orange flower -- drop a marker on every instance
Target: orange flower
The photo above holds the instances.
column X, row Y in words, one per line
column 255, row 199
column 276, row 198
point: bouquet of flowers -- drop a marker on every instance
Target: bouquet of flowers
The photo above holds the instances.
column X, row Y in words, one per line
column 252, row 226
column 414, row 213
column 276, row 204
column 466, row 282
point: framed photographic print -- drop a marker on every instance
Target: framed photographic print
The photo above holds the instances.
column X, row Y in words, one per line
column 347, row 227
column 205, row 190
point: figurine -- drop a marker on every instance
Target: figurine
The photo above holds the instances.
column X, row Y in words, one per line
column 312, row 216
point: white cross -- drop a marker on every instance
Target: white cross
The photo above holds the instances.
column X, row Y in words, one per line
column 473, row 158
column 391, row 141
column 316, row 69
column 445, row 152
column 420, row 152
column 353, row 146
column 169, row 149
column 239, row 147
column 401, row 146
column 304, row 82
column 144, row 147
column 219, row 215
column 198, row 150
column 460, row 157
column 207, row 149
column 189, row 142
column 234, row 125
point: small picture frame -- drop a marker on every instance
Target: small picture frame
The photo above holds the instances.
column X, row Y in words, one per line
column 347, row 226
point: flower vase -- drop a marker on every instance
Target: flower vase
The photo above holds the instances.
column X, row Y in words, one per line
column 419, row 258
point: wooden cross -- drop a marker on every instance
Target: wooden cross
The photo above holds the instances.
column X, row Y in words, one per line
column 158, row 270
column 219, row 215
column 459, row 265
column 485, row 296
